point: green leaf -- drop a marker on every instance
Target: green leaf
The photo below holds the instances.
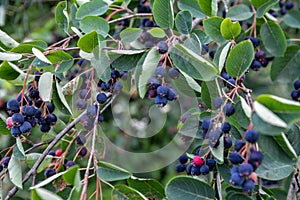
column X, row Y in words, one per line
column 209, row 91
column 276, row 164
column 192, row 6
column 72, row 176
column 61, row 58
column 10, row 56
column 286, row 146
column 130, row 34
column 31, row 158
column 239, row 59
column 148, row 68
column 7, row 72
column 25, row 48
column 192, row 64
column 237, row 196
column 183, row 22
column 239, row 119
column 45, row 86
column 292, row 19
column 7, row 40
column 157, row 32
column 110, row 172
column 265, row 7
column 88, row 42
column 47, row 180
column 191, row 82
column 266, row 122
column 93, row 23
column 126, row 62
column 287, row 110
column 163, row 13
column 40, row 56
column 229, row 29
column 62, row 97
column 101, row 64
column 151, row 188
column 92, row 8
column 126, row 192
column 209, row 7
column 293, row 136
column 218, row 152
column 18, row 150
column 285, row 68
column 193, row 43
column 212, row 28
column 185, row 187
column 15, row 171
column 273, row 38
column 61, row 16
column 239, row 12
column 46, row 194
column 221, row 55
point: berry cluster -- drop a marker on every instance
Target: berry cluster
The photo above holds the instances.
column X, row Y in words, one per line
column 284, row 7
column 296, row 93
column 29, row 110
column 197, row 166
column 246, row 159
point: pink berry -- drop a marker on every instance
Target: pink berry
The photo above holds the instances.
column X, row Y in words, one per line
column 9, row 123
column 58, row 152
column 198, row 160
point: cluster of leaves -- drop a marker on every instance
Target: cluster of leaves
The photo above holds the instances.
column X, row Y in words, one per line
column 210, row 44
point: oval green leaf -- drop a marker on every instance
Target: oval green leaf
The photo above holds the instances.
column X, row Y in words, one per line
column 93, row 23
column 212, row 28
column 192, row 6
column 88, row 42
column 92, row 8
column 239, row 12
column 130, row 34
column 110, row 172
column 183, row 22
column 157, row 32
column 292, row 19
column 163, row 13
column 229, row 29
column 151, row 188
column 45, row 86
column 239, row 59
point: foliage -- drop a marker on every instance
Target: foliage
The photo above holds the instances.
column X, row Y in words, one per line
column 100, row 101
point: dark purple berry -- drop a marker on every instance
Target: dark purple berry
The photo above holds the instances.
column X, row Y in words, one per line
column 174, row 73
column 25, row 127
column 217, row 102
column 195, row 171
column 45, row 128
column 289, row 5
column 183, row 159
column 231, row 83
column 204, row 169
column 37, row 75
column 5, row 161
column 172, row 94
column 180, row 168
column 69, row 164
column 206, row 124
column 295, row 95
column 29, row 111
column 115, row 74
column 80, row 139
column 212, row 54
column 248, row 185
column 234, row 169
column 282, row 11
column 260, row 55
column 227, row 142
column 17, row 119
column 15, row 131
column 204, row 49
column 153, row 83
column 255, row 41
column 211, row 163
column 161, row 101
column 255, row 65
column 229, row 109
column 13, row 105
column 49, row 172
column 101, row 98
column 51, row 153
column 256, row 158
column 50, row 107
column 236, row 179
column 34, row 94
column 91, row 111
column 152, row 93
column 225, row 76
column 1, row 167
column 189, row 169
column 81, row 104
column 245, row 169
column 162, row 47
column 297, row 84
column 85, row 94
column 162, row 91
column 251, row 136
column 51, row 119
column 226, row 127
column 160, row 72
column 82, row 151
column 239, row 144
column 148, row 44
column 235, row 158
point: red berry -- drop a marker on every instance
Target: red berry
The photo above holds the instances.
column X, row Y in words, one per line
column 9, row 123
column 197, row 160
column 58, row 152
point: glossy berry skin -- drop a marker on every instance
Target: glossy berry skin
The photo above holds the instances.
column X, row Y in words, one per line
column 180, row 168
column 245, row 169
column 50, row 107
column 248, row 185
column 289, row 5
column 58, row 152
column 49, row 172
column 217, row 102
column 255, row 65
column 174, row 73
column 13, row 105
column 239, row 144
column 45, row 128
column 251, row 136
column 172, row 94
column 161, row 101
column 204, row 169
column 229, row 109
column 297, row 84
column 34, row 94
column 183, row 159
column 80, row 139
column 236, row 179
column 82, row 151
column 197, row 160
column 25, row 127
column 226, row 127
column 189, row 169
column 115, row 74
column 162, row 90
column 211, row 163
column 51, row 119
column 101, row 98
column 195, row 171
column 5, row 161
column 235, row 158
column 295, row 95
column 17, row 119
column 15, row 131
column 255, row 41
column 51, row 153
column 227, row 142
column 162, row 47
column 69, row 164
column 160, row 72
